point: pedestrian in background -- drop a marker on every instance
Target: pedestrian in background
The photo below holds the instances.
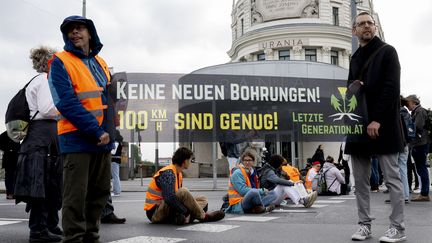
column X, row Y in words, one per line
column 39, row 169
column 79, row 81
column 9, row 161
column 374, row 76
column 116, row 153
column 420, row 146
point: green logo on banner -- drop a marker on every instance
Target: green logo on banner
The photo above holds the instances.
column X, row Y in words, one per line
column 346, row 108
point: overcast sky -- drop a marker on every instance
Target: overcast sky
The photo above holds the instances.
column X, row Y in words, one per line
column 180, row 36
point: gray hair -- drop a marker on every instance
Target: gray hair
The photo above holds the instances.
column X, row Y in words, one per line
column 413, row 98
column 40, row 57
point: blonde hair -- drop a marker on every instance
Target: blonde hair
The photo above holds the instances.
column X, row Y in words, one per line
column 40, row 57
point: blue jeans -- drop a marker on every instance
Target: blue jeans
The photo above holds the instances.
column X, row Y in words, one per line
column 115, row 174
column 419, row 154
column 253, row 199
column 402, row 161
column 374, row 179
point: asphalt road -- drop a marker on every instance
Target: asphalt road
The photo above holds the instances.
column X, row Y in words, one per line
column 331, row 219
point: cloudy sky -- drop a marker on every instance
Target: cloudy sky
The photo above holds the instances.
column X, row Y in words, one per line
column 180, row 36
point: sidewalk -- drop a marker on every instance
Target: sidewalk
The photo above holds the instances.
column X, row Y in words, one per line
column 193, row 184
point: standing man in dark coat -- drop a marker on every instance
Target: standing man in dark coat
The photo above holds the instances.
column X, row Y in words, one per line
column 380, row 84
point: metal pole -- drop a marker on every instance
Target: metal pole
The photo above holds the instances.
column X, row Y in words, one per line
column 156, row 148
column 84, row 8
column 354, row 42
column 214, row 148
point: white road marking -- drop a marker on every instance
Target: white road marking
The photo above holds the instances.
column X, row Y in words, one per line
column 293, row 211
column 149, row 239
column 209, row 227
column 252, row 218
column 10, row 219
column 342, row 198
column 329, row 201
column 9, row 222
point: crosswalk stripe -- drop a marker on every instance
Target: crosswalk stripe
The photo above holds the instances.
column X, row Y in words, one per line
column 11, row 219
column 252, row 218
column 150, row 239
column 329, row 201
column 9, row 222
column 209, row 227
column 342, row 198
column 293, row 211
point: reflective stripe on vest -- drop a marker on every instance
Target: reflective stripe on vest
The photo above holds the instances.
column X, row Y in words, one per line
column 85, row 87
column 233, row 196
column 154, row 193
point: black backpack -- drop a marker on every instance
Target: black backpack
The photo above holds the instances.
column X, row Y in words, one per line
column 18, row 115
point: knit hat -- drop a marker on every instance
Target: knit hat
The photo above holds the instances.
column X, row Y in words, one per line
column 316, row 163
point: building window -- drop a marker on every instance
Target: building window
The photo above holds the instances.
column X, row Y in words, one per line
column 284, row 55
column 335, row 16
column 310, row 55
column 241, row 27
column 334, row 56
column 261, row 57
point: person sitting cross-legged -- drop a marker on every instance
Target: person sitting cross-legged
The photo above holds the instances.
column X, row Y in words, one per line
column 168, row 202
column 271, row 179
column 244, row 193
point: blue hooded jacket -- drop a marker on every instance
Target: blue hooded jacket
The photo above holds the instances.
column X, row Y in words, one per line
column 84, row 139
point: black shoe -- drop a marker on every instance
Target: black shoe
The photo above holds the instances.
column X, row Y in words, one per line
column 112, row 219
column 44, row 236
column 56, row 231
column 388, row 201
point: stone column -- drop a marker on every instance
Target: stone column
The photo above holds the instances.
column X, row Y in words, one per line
column 298, row 52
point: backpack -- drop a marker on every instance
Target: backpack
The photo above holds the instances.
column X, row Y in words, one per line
column 18, row 115
column 408, row 125
column 319, row 182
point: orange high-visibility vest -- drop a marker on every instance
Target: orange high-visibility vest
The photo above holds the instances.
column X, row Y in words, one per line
column 85, row 87
column 154, row 193
column 233, row 196
column 292, row 172
column 308, row 183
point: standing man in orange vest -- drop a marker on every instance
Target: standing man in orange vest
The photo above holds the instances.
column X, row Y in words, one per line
column 168, row 202
column 79, row 80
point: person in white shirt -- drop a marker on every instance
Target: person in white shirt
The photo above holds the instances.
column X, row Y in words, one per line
column 39, row 167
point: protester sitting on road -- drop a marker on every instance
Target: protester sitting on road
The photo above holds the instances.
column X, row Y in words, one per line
column 333, row 177
column 311, row 174
column 244, row 194
column 168, row 202
column 292, row 172
column 270, row 178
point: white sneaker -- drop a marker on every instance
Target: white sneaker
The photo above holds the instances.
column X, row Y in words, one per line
column 363, row 233
column 393, row 235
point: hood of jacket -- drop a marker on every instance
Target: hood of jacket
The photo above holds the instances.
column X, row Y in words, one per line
column 95, row 44
column 328, row 165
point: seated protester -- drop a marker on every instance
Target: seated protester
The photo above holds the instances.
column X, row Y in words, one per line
column 292, row 172
column 244, row 194
column 333, row 177
column 311, row 174
column 168, row 202
column 270, row 178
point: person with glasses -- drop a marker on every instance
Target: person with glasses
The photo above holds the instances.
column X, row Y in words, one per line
column 375, row 71
column 244, row 192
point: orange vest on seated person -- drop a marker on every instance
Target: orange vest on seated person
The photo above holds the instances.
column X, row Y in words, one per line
column 308, row 183
column 233, row 196
column 293, row 172
column 85, row 86
column 154, row 193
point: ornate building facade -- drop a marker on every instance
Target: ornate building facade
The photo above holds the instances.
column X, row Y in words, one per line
column 309, row 30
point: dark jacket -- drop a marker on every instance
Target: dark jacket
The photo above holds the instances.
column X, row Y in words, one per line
column 381, row 90
column 10, row 151
column 271, row 177
column 419, row 116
